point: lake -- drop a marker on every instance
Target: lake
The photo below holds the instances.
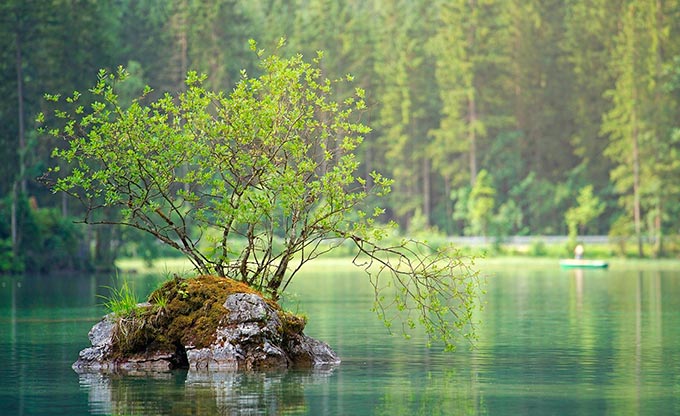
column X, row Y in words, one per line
column 552, row 341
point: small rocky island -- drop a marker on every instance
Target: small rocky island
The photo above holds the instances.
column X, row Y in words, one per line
column 203, row 323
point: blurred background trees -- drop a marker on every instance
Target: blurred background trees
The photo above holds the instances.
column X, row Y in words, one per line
column 547, row 96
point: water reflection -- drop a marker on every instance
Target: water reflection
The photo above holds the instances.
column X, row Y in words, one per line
column 198, row 392
column 551, row 342
column 604, row 340
column 449, row 392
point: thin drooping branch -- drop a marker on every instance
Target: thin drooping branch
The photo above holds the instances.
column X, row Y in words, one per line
column 417, row 284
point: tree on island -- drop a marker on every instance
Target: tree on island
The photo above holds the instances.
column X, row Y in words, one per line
column 253, row 184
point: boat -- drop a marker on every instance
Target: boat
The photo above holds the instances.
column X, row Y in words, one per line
column 583, row 264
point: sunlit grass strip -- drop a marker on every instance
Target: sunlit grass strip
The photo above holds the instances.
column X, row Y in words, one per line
column 165, row 265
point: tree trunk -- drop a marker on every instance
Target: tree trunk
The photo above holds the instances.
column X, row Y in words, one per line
column 427, row 204
column 103, row 248
column 20, row 98
column 658, row 222
column 13, row 221
column 64, row 205
column 448, row 204
column 472, row 137
column 636, row 184
column 472, row 105
column 275, row 282
column 636, row 158
column 658, row 243
column 19, row 180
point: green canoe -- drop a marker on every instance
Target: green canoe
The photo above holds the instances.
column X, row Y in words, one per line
column 583, row 264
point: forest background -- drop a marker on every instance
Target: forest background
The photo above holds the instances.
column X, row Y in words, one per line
column 495, row 117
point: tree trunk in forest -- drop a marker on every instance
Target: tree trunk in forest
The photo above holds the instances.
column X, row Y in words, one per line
column 13, row 221
column 472, row 106
column 20, row 97
column 448, row 204
column 19, row 180
column 658, row 242
column 658, row 223
column 636, row 159
column 104, row 254
column 64, row 205
column 472, row 136
column 427, row 204
column 636, row 183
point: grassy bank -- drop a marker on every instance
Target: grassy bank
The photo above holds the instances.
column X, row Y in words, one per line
column 538, row 248
column 164, row 265
column 537, row 251
column 483, row 259
column 547, row 262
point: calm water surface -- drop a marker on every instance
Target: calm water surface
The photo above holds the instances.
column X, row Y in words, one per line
column 552, row 342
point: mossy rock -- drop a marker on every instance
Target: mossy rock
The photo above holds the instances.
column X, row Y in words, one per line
column 206, row 322
column 183, row 312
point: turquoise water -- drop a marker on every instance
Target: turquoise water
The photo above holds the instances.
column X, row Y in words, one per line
column 552, row 341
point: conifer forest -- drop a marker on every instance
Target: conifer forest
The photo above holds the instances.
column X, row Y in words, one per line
column 494, row 118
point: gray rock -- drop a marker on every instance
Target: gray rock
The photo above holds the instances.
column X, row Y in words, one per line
column 248, row 307
column 311, row 352
column 251, row 337
column 101, row 334
column 216, row 357
column 101, row 338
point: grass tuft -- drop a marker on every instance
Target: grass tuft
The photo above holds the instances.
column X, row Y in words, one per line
column 121, row 301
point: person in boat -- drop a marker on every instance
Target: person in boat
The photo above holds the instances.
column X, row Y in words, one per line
column 578, row 252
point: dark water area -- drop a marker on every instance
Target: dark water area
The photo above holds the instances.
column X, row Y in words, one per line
column 552, row 341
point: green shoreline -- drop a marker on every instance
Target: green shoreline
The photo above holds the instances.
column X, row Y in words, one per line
column 182, row 266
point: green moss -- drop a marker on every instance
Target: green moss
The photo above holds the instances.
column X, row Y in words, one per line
column 190, row 312
column 292, row 323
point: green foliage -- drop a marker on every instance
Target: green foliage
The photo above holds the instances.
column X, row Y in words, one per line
column 588, row 39
column 466, row 53
column 274, row 158
column 520, row 89
column 460, row 199
column 620, row 229
column 481, row 204
column 537, row 248
column 410, row 291
column 9, row 263
column 588, row 209
column 48, row 241
column 406, row 105
column 138, row 244
column 540, row 202
column 266, row 175
column 508, row 220
column 643, row 116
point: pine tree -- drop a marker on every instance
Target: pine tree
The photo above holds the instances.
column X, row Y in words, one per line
column 640, row 124
column 408, row 107
column 588, row 43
